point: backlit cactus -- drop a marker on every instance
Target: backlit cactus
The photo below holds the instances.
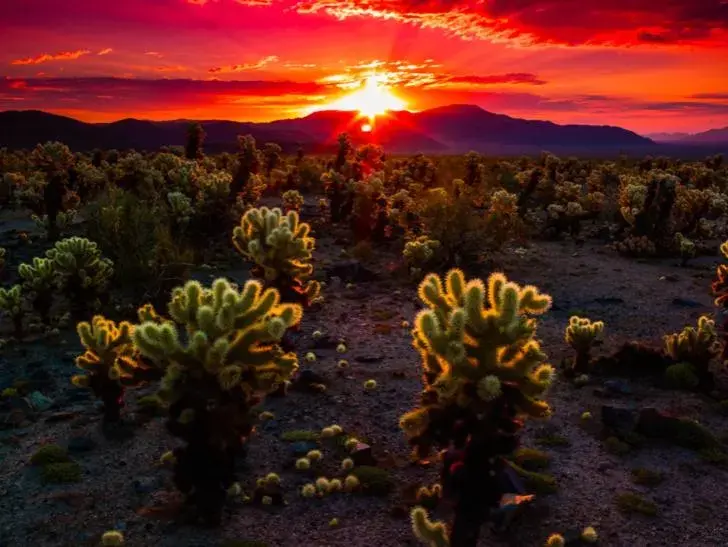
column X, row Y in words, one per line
column 432, row 534
column 220, row 353
column 580, row 335
column 81, row 272
column 39, row 282
column 483, row 372
column 292, row 200
column 110, row 360
column 11, row 303
column 692, row 351
column 281, row 247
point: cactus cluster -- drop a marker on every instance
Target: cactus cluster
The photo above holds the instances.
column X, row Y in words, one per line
column 483, row 371
column 581, row 334
column 281, row 248
column 220, row 353
column 81, row 272
column 692, row 352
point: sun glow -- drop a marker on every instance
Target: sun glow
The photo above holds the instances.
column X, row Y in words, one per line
column 372, row 99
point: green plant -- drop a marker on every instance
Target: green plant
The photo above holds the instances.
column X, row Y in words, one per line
column 695, row 348
column 11, row 302
column 220, row 353
column 483, row 371
column 292, row 201
column 374, row 480
column 48, row 454
column 82, row 273
column 111, row 363
column 631, row 503
column 580, row 335
column 61, row 473
column 432, row 534
column 39, row 283
column 280, row 247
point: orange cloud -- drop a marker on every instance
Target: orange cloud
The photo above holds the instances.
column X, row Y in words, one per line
column 45, row 57
column 245, row 67
column 105, row 51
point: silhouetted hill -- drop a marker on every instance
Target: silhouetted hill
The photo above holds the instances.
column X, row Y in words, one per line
column 714, row 136
column 448, row 129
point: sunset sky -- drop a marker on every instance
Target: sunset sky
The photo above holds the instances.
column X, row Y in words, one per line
column 647, row 65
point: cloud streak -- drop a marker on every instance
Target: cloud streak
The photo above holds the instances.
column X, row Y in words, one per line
column 229, row 69
column 45, row 57
column 549, row 22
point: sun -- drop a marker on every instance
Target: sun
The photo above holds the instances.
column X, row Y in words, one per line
column 372, row 99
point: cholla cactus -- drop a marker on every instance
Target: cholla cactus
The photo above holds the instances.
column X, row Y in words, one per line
column 580, row 335
column 720, row 285
column 432, row 534
column 181, row 208
column 39, row 282
column 483, row 370
column 694, row 348
column 11, row 302
column 685, row 247
column 82, row 273
column 420, row 253
column 220, row 351
column 292, row 200
column 281, row 248
column 111, row 362
column 64, row 219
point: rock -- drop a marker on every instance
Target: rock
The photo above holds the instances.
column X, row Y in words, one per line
column 351, row 271
column 39, row 402
column 301, row 448
column 81, row 444
column 686, row 303
column 362, row 455
column 620, row 420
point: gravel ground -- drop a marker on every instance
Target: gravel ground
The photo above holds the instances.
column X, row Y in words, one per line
column 124, row 488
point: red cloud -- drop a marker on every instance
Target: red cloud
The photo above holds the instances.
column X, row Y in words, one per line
column 510, row 78
column 558, row 22
column 45, row 57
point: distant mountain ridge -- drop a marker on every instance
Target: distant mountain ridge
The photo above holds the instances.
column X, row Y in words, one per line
column 442, row 130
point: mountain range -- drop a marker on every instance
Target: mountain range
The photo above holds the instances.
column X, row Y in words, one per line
column 444, row 130
column 713, row 136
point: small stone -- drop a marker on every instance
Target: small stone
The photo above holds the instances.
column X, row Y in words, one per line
column 39, row 402
column 621, row 420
